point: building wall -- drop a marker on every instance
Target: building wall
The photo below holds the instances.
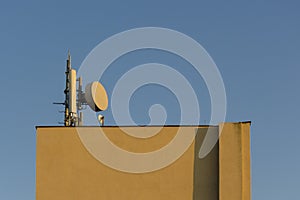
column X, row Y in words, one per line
column 206, row 170
column 234, row 161
column 65, row 169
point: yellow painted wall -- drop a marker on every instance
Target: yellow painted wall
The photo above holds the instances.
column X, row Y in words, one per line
column 66, row 170
column 234, row 161
column 206, row 170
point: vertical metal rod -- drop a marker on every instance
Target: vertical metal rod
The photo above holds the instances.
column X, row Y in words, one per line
column 68, row 69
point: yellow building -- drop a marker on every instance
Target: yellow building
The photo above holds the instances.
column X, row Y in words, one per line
column 67, row 168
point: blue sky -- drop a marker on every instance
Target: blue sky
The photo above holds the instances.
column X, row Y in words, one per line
column 254, row 44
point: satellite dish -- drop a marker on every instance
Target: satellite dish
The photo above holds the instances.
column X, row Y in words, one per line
column 96, row 97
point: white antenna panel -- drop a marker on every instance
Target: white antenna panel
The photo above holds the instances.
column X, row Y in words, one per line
column 72, row 97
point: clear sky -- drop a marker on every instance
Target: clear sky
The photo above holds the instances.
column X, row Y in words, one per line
column 255, row 45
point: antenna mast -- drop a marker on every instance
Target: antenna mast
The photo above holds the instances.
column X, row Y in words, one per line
column 70, row 98
column 95, row 96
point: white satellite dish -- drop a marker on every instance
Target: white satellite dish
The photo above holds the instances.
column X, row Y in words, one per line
column 96, row 97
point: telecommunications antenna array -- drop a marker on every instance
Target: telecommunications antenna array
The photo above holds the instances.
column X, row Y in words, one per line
column 95, row 96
